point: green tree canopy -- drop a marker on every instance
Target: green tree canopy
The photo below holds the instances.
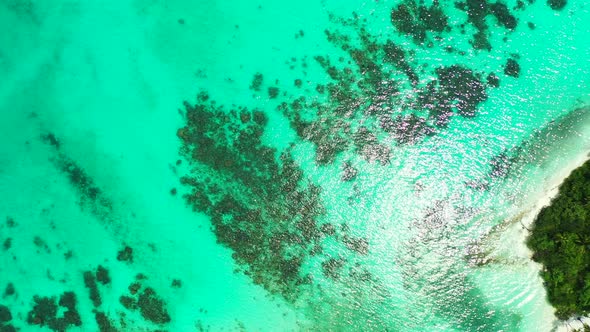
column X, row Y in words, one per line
column 560, row 240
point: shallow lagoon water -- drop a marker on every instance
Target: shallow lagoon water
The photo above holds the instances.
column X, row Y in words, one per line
column 92, row 102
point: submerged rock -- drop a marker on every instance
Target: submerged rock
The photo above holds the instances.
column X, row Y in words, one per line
column 102, row 275
column 134, row 287
column 125, row 254
column 358, row 245
column 152, row 307
column 71, row 316
column 44, row 311
column 348, row 172
column 90, row 283
column 273, row 92
column 512, row 68
column 332, row 267
column 493, row 80
column 502, row 14
column 8, row 328
column 257, row 82
column 5, row 315
column 50, row 139
column 557, row 4
column 500, row 165
column 7, row 244
column 104, row 323
column 10, row 223
column 415, row 20
column 460, row 86
column 9, row 290
column 128, row 302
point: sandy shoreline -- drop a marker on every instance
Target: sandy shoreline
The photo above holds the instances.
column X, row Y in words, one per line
column 512, row 240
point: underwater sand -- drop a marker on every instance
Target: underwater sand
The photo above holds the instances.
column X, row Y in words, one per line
column 313, row 181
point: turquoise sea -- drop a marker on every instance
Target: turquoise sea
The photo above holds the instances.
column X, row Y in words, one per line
column 240, row 165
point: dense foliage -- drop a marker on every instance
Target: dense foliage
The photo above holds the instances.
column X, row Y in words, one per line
column 560, row 240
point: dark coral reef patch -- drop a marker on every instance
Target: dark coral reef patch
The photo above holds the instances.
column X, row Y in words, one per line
column 260, row 203
column 376, row 95
column 260, row 206
column 557, row 4
column 477, row 13
column 57, row 316
column 90, row 195
column 145, row 299
column 416, row 20
column 371, row 90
